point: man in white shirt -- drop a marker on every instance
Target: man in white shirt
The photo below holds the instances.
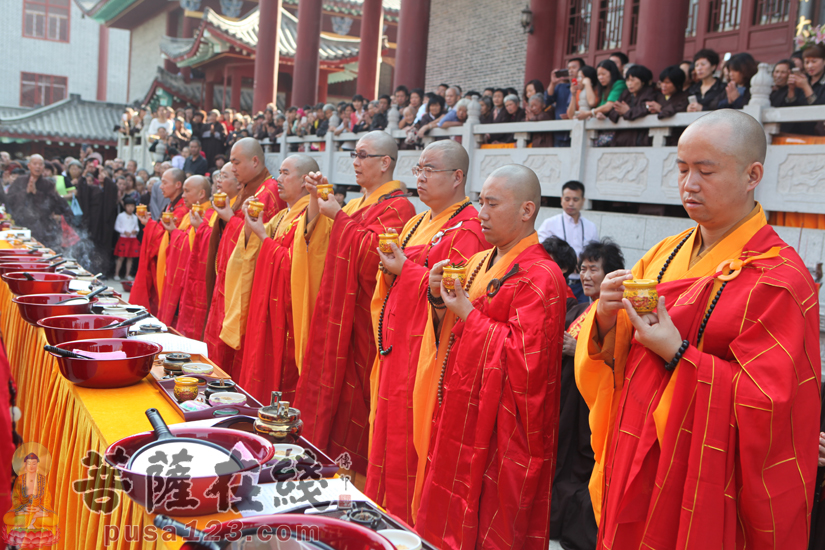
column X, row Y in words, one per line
column 571, row 227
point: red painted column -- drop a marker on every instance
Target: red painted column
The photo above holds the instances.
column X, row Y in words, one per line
column 305, row 77
column 323, row 84
column 265, row 87
column 369, row 55
column 102, row 62
column 171, row 30
column 661, row 39
column 541, row 42
column 235, row 99
column 411, row 50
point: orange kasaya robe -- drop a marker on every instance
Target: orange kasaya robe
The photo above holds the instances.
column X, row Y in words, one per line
column 334, row 388
column 393, row 458
column 222, row 243
column 269, row 346
column 194, row 303
column 146, row 291
column 177, row 262
column 722, row 452
column 492, row 453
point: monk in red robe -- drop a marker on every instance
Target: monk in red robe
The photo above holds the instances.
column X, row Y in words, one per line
column 264, row 285
column 196, row 191
column 147, row 287
column 704, row 411
column 449, row 229
column 194, row 301
column 249, row 168
column 495, row 403
column 334, row 388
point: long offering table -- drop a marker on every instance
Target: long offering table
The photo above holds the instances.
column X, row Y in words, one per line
column 70, row 421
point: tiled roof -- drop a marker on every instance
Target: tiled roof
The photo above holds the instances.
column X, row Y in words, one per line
column 190, row 92
column 71, row 120
column 105, row 10
column 215, row 30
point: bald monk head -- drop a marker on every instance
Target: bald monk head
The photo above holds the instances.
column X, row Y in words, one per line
column 510, row 199
column 378, row 166
column 291, row 177
column 720, row 158
column 228, row 183
column 247, row 160
column 444, row 186
column 171, row 183
column 196, row 190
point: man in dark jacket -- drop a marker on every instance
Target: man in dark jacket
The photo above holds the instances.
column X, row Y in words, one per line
column 34, row 203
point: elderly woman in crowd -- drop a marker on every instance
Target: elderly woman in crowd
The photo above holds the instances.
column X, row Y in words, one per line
column 457, row 116
column 572, row 521
column 537, row 112
column 633, row 104
column 781, row 75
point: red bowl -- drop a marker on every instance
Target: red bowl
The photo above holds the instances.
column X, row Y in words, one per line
column 44, row 283
column 20, row 252
column 66, row 328
column 11, row 267
column 332, row 532
column 39, row 306
column 119, row 453
column 108, row 373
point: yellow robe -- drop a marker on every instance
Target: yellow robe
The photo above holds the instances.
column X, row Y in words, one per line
column 241, row 272
column 41, row 499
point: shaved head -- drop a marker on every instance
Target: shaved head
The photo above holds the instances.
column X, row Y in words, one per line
column 736, row 133
column 304, row 164
column 522, row 183
column 249, row 147
column 452, row 155
column 382, row 144
column 510, row 200
column 248, row 160
column 196, row 189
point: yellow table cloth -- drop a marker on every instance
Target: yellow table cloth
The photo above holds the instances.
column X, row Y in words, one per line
column 69, row 420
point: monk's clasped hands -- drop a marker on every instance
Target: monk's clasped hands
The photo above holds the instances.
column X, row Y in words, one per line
column 225, row 213
column 457, row 299
column 256, row 225
column 655, row 330
column 393, row 263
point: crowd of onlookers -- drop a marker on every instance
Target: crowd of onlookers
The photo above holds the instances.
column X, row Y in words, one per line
column 614, row 89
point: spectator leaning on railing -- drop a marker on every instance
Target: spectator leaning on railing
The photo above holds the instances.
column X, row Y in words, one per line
column 583, row 94
column 741, row 68
column 633, row 104
column 781, row 74
column 707, row 89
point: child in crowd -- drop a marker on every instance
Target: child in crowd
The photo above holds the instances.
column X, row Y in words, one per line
column 127, row 245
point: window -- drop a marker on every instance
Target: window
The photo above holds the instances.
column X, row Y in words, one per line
column 46, row 19
column 724, row 15
column 578, row 27
column 771, row 11
column 611, row 14
column 634, row 22
column 693, row 11
column 39, row 90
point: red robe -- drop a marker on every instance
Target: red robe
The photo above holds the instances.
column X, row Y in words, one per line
column 269, row 347
column 334, row 390
column 177, row 261
column 492, row 454
column 194, row 305
column 393, row 460
column 144, row 289
column 732, row 463
column 266, row 192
